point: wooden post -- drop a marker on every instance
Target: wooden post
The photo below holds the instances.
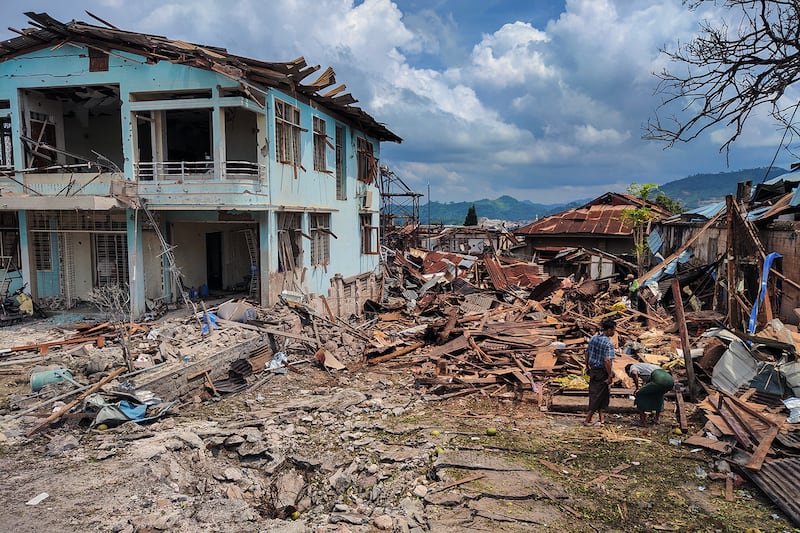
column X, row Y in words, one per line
column 733, row 313
column 687, row 352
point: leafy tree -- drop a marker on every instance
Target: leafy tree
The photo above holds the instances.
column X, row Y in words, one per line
column 472, row 216
column 667, row 203
column 640, row 218
column 729, row 69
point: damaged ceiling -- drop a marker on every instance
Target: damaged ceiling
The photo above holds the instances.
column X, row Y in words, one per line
column 252, row 74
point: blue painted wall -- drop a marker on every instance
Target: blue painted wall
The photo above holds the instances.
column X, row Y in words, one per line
column 310, row 190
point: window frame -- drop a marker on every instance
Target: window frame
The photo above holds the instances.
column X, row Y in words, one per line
column 341, row 185
column 366, row 162
column 6, row 142
column 321, row 144
column 42, row 242
column 319, row 228
column 287, row 133
column 370, row 235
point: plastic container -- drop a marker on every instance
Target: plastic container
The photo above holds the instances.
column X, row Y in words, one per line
column 46, row 377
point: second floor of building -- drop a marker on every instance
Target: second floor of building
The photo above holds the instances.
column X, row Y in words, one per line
column 77, row 118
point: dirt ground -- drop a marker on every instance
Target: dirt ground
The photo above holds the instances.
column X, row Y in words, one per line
column 353, row 450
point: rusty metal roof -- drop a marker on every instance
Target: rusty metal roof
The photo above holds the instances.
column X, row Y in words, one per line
column 251, row 74
column 601, row 216
column 780, row 481
column 519, row 274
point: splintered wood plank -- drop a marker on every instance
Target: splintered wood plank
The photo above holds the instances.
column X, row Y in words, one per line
column 703, row 442
column 757, row 459
column 456, row 345
column 545, row 361
column 682, row 423
column 720, row 423
column 729, row 489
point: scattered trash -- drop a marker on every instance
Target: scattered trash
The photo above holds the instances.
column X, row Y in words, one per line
column 36, row 500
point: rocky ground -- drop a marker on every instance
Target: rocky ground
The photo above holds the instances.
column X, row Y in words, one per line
column 355, row 450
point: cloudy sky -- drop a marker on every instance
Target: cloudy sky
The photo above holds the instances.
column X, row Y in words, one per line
column 541, row 100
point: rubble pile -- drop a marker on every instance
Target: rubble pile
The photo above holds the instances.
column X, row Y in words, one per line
column 237, row 417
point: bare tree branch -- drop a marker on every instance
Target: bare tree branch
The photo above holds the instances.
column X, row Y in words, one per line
column 725, row 73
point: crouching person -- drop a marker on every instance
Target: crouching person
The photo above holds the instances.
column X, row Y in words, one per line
column 656, row 382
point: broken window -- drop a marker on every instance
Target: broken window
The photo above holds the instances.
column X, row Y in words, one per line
column 320, row 230
column 98, row 60
column 79, row 127
column 320, row 145
column 290, row 248
column 341, row 191
column 43, row 141
column 42, row 251
column 9, row 238
column 111, row 259
column 367, row 164
column 369, row 235
column 287, row 133
column 6, row 148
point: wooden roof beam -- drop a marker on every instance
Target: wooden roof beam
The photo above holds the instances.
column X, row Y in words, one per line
column 306, row 72
column 333, row 92
column 326, row 79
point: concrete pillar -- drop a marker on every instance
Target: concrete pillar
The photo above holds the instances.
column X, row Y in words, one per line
column 135, row 262
column 26, row 268
column 265, row 221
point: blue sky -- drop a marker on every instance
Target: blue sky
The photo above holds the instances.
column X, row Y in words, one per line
column 541, row 100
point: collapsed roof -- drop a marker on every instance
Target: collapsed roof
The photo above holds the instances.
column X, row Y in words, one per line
column 251, row 74
column 601, row 216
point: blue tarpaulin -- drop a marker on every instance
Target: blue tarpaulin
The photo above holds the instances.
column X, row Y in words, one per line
column 762, row 290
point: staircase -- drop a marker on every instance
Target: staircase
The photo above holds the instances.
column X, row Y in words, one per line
column 252, row 249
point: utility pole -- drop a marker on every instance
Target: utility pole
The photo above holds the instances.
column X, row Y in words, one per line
column 429, row 204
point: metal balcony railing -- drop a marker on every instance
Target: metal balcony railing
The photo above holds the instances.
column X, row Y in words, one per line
column 198, row 170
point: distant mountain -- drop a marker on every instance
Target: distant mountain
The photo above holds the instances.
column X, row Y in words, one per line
column 704, row 188
column 691, row 192
column 502, row 208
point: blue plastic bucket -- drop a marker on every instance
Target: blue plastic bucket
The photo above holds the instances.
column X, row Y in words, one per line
column 46, row 377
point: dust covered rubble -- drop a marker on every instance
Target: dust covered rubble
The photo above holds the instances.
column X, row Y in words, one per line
column 314, row 460
column 307, row 451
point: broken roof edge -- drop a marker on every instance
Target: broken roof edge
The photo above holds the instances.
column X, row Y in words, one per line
column 283, row 76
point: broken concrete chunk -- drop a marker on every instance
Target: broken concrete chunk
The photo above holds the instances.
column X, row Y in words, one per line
column 383, row 522
column 61, row 443
column 233, row 474
column 340, row 480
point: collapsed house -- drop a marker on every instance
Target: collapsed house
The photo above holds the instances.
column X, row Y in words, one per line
column 598, row 224
column 159, row 165
column 473, row 240
column 747, row 242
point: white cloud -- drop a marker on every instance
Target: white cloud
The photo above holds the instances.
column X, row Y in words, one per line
column 518, row 106
column 509, row 56
column 589, row 135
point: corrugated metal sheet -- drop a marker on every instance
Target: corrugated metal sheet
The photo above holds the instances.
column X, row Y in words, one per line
column 795, row 201
column 592, row 220
column 779, row 479
column 601, row 216
column 523, row 275
column 735, row 368
column 495, row 272
column 789, row 176
column 654, row 241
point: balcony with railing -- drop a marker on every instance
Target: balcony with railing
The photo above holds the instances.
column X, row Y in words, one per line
column 201, row 184
column 202, row 171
